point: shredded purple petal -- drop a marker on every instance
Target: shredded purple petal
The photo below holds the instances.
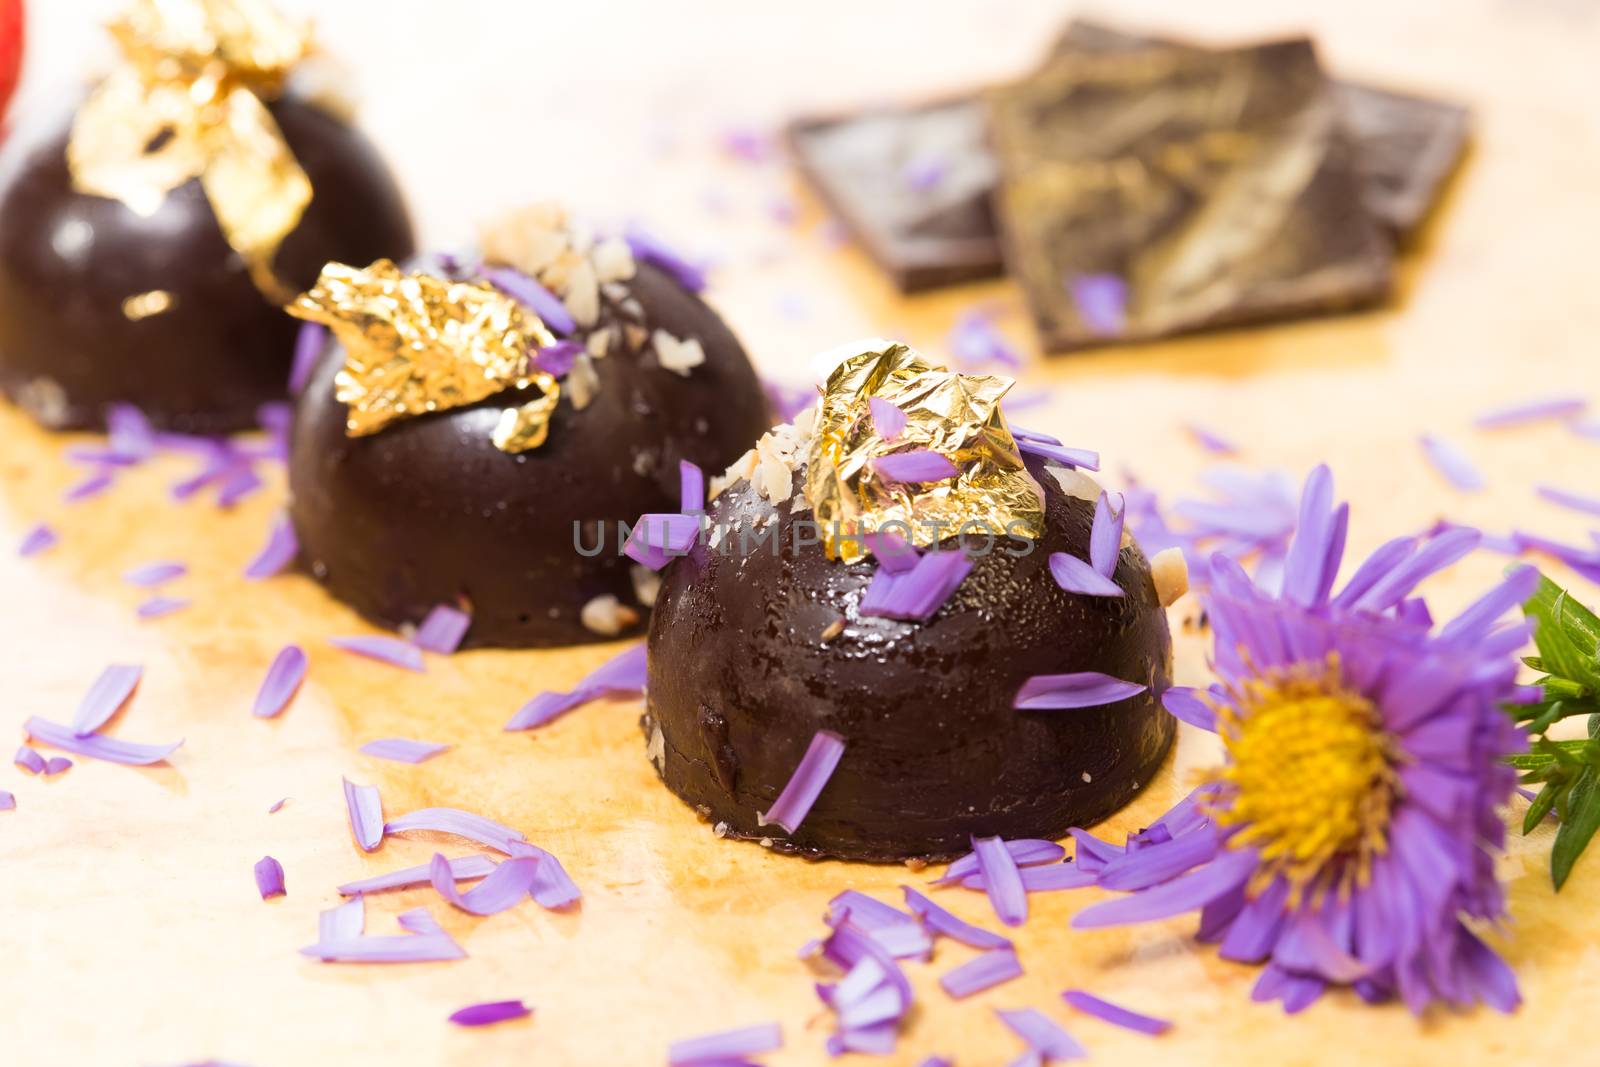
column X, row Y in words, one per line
column 916, row 465
column 1589, row 428
column 29, row 760
column 528, row 292
column 494, row 1011
column 105, row 697
column 691, row 487
column 1555, row 407
column 503, row 888
column 1049, row 878
column 1104, row 1010
column 443, row 630
column 484, row 831
column 92, row 486
column 622, row 675
column 418, row 921
column 894, row 553
column 129, row 432
column 1076, row 576
column 1211, row 441
column 1026, row 851
column 867, row 912
column 277, row 805
column 918, row 593
column 365, row 808
column 7, row 801
column 1452, row 463
column 647, row 248
column 157, row 606
column 1001, row 880
column 342, row 923
column 97, row 746
column 407, row 948
column 658, row 538
column 709, row 1049
column 462, row 869
column 308, row 346
column 153, row 574
column 280, row 550
column 269, row 877
column 1105, row 538
column 402, row 750
column 788, row 400
column 1070, row 457
column 981, row 972
column 381, row 647
column 887, row 419
column 55, row 765
column 1082, row 689
column 1043, row 1034
column 807, row 782
column 975, row 342
column 556, row 360
column 1102, row 303
column 283, row 680
column 553, row 887
column 37, row 540
column 1589, row 505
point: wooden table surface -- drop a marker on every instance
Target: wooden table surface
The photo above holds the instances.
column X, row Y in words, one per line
column 132, row 929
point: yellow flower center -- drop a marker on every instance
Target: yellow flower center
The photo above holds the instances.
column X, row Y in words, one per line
column 1310, row 780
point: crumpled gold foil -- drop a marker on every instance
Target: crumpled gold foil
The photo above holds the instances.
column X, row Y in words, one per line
column 956, row 415
column 415, row 343
column 188, row 103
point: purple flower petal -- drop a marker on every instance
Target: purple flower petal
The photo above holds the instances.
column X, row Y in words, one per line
column 918, row 593
column 283, row 680
column 946, row 923
column 981, row 972
column 157, row 606
column 153, row 574
column 129, row 431
column 1451, row 462
column 1026, row 851
column 1076, row 576
column 556, row 360
column 344, row 922
column 658, row 538
column 494, row 1011
column 381, row 647
column 916, row 465
column 1186, row 893
column 807, row 782
column 1049, row 878
column 309, row 344
column 503, row 888
column 277, row 806
column 1102, row 303
column 552, row 886
column 887, row 419
column 1555, row 407
column 691, row 488
column 623, row 674
column 1589, row 428
column 8, row 802
column 1082, row 689
column 1185, row 706
column 37, row 540
column 1043, row 1034
column 1090, row 1004
column 975, row 342
column 1070, row 457
column 1212, row 442
column 1589, row 505
column 29, row 760
column 462, row 869
column 56, row 765
column 106, row 697
column 867, row 912
column 725, row 1045
column 269, row 877
column 649, row 249
column 92, row 486
column 402, row 750
column 1001, row 880
column 528, row 292
column 1105, row 538
column 465, row 824
column 98, row 746
column 418, row 921
column 443, row 630
column 408, row 948
column 365, row 808
column 280, row 550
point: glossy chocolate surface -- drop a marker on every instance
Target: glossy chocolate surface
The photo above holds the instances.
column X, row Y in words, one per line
column 428, row 510
column 68, row 262
column 741, row 678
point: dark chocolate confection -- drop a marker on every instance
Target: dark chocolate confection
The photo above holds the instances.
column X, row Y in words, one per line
column 428, row 510
column 741, row 677
column 68, row 261
column 1207, row 187
column 922, row 233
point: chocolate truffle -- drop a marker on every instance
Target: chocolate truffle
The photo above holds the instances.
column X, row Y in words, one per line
column 763, row 639
column 154, row 274
column 431, row 510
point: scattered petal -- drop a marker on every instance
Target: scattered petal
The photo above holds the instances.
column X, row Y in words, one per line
column 153, row 574
column 557, row 360
column 462, row 869
column 725, row 1045
column 402, row 750
column 691, row 487
column 1589, row 505
column 365, row 808
column 277, row 806
column 157, row 606
column 56, row 765
column 461, row 823
column 29, row 760
column 443, row 630
column 1102, row 303
column 1001, row 880
column 807, row 782
column 1451, row 462
column 494, row 1011
column 1212, row 442
column 1026, row 851
column 981, row 972
column 309, row 344
column 106, row 697
column 918, row 593
column 1082, row 689
column 1043, row 1034
column 1076, row 576
column 280, row 550
column 940, row 921
column 283, row 680
column 1090, row 1004
column 887, row 419
column 91, row 486
column 37, row 540
column 649, row 249
column 7, row 801
column 269, row 877
column 381, row 647
column 503, row 888
column 408, row 948
column 528, row 292
column 1554, row 407
column 1105, row 538
column 98, row 746
column 622, row 675
column 916, row 465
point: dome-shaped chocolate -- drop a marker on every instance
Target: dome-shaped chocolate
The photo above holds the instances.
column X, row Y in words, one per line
column 428, row 510
column 750, row 654
column 100, row 305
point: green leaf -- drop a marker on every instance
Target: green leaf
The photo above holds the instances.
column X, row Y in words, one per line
column 1578, row 825
column 1539, row 808
column 1568, row 634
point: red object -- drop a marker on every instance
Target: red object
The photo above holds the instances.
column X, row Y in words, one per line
column 10, row 49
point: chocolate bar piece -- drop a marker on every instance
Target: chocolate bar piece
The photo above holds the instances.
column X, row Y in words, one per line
column 913, row 186
column 1154, row 191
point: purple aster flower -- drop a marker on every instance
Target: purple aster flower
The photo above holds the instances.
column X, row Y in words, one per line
column 1348, row 837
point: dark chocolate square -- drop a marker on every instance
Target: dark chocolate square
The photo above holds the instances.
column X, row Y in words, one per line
column 1163, row 189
